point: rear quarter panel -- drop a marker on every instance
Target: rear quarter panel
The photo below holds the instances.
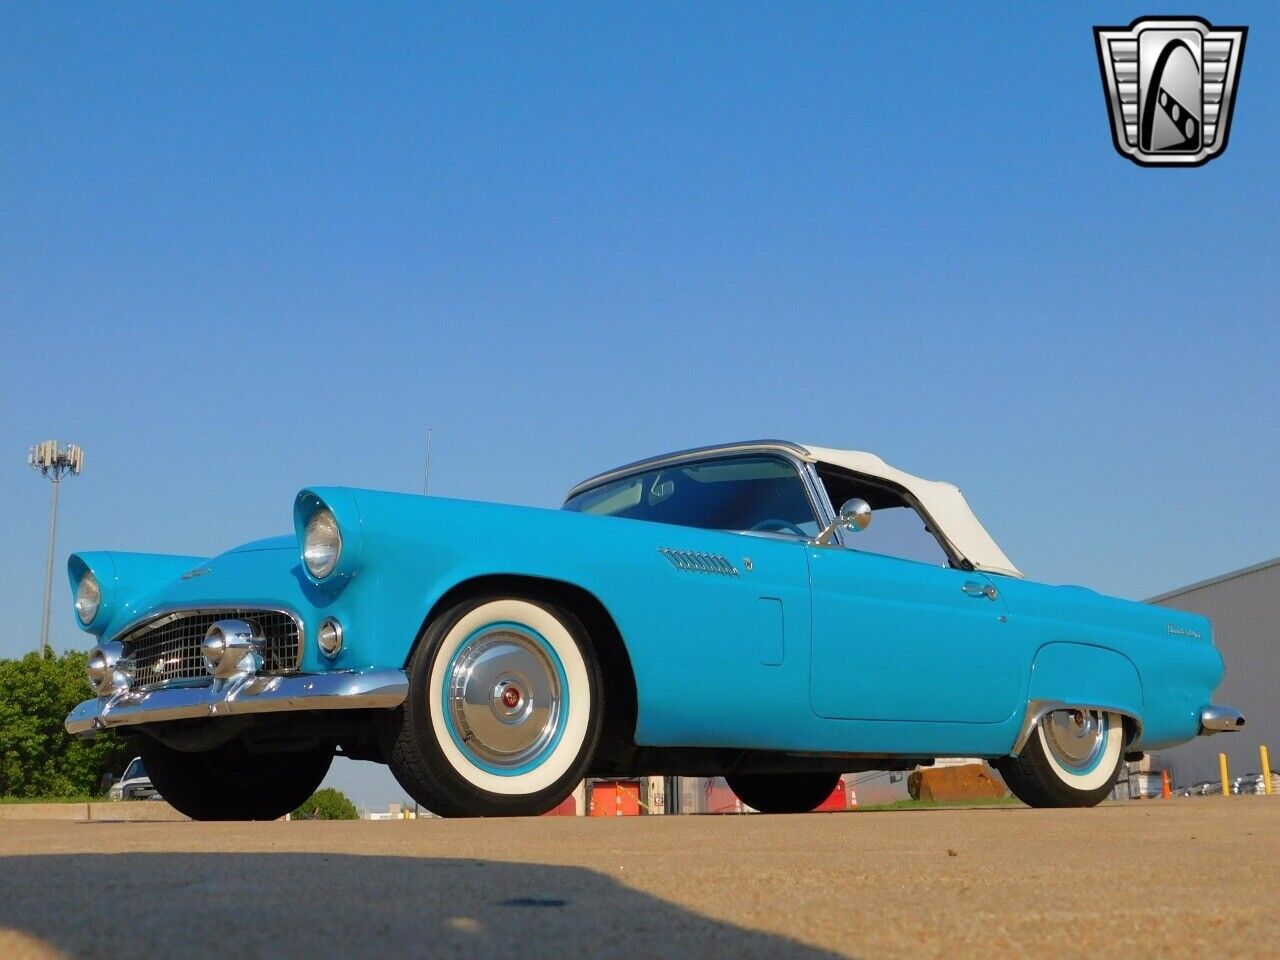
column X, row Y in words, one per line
column 1083, row 647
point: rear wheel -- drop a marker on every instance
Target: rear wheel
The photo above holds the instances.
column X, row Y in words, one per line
column 230, row 783
column 783, row 792
column 1071, row 759
column 504, row 711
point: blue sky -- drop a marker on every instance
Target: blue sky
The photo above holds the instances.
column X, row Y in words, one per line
column 243, row 250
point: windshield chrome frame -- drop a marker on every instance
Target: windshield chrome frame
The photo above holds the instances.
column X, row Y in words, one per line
column 792, row 453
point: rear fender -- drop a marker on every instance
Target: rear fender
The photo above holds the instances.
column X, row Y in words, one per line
column 1082, row 675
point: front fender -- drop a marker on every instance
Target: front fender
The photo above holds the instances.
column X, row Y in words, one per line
column 125, row 580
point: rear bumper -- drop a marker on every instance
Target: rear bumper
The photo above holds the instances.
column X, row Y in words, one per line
column 1220, row 720
column 339, row 690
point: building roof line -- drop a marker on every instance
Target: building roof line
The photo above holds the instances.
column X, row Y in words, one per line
column 1214, row 580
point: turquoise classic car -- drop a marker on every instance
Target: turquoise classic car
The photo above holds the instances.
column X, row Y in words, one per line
column 731, row 610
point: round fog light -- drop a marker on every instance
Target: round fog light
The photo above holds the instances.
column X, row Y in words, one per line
column 329, row 637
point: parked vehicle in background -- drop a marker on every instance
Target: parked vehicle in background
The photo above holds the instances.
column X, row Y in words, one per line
column 1254, row 783
column 726, row 611
column 1201, row 789
column 134, row 784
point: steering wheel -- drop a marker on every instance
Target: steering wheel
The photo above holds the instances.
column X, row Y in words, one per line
column 772, row 524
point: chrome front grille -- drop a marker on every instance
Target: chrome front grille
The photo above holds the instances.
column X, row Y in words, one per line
column 167, row 647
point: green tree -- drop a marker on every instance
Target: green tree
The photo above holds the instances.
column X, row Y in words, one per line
column 37, row 756
column 327, row 804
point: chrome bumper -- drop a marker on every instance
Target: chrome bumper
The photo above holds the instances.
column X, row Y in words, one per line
column 1220, row 720
column 348, row 690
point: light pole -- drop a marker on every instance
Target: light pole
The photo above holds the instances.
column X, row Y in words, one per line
column 54, row 461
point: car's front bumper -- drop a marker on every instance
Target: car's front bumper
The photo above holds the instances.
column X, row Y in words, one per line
column 339, row 690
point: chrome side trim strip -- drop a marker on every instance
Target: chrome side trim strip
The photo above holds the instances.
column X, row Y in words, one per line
column 340, row 690
column 1220, row 720
column 1036, row 709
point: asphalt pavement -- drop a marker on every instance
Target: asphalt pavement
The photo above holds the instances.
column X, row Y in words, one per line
column 1171, row 878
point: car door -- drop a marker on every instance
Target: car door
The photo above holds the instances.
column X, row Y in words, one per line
column 726, row 658
column 715, row 600
column 897, row 639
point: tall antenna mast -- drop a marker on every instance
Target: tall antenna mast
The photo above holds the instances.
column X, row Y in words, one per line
column 54, row 460
column 426, row 471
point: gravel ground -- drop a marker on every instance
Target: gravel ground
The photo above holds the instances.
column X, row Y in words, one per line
column 1172, row 878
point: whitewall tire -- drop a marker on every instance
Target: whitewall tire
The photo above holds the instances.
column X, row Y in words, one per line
column 504, row 710
column 1071, row 759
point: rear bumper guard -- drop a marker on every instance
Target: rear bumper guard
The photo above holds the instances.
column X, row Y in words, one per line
column 340, row 690
column 1220, row 720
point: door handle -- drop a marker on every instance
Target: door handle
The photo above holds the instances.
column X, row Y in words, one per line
column 975, row 589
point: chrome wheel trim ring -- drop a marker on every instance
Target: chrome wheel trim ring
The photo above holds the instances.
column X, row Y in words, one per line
column 1076, row 738
column 505, row 697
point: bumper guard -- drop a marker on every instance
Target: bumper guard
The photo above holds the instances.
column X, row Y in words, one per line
column 1220, row 720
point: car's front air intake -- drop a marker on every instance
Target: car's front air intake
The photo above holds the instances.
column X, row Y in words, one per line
column 167, row 647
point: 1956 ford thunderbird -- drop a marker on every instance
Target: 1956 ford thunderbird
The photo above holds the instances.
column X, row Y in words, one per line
column 730, row 610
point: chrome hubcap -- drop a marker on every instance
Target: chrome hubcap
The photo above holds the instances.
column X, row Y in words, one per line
column 504, row 697
column 1075, row 736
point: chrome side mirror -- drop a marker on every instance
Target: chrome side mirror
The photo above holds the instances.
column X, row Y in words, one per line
column 855, row 515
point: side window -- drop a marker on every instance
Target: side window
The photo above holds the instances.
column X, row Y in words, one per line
column 897, row 529
column 761, row 494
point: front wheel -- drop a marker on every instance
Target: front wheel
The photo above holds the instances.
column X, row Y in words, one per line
column 1071, row 759
column 783, row 792
column 230, row 783
column 504, row 711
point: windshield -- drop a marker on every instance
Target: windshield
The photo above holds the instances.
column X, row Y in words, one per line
column 753, row 493
column 135, row 770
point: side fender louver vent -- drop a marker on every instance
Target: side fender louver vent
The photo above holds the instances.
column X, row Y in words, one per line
column 699, row 562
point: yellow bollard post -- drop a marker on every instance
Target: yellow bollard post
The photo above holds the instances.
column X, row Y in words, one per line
column 1222, row 765
column 1266, row 769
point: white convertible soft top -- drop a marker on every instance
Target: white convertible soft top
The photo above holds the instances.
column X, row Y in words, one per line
column 942, row 501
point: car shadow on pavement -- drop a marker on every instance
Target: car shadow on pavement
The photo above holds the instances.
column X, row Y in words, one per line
column 320, row 906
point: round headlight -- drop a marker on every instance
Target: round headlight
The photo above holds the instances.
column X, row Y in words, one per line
column 88, row 598
column 321, row 544
column 329, row 637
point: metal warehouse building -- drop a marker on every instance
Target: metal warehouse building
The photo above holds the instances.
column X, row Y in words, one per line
column 1245, row 609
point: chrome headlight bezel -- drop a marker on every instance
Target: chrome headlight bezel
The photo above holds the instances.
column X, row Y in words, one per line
column 88, row 599
column 327, row 515
column 101, row 567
